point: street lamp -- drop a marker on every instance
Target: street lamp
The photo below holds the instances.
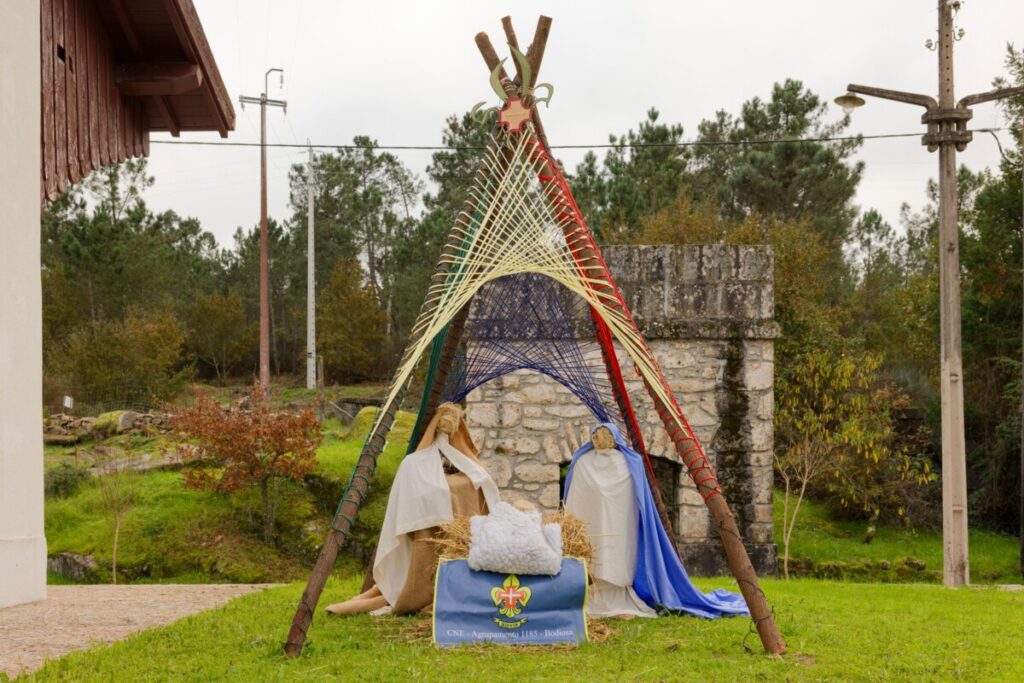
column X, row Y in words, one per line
column 849, row 102
column 946, row 121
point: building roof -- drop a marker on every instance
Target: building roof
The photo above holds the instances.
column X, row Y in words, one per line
column 112, row 71
column 166, row 46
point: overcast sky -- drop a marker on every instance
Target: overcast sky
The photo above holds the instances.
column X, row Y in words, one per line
column 394, row 70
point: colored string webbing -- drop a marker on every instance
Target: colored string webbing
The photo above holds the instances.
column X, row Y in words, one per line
column 421, row 414
column 581, row 241
column 525, row 220
column 529, row 321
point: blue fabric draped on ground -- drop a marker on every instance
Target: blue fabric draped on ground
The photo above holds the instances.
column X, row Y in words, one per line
column 661, row 581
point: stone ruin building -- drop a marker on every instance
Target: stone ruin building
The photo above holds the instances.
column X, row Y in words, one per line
column 707, row 313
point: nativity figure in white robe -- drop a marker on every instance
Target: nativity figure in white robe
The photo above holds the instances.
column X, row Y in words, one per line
column 602, row 497
column 441, row 480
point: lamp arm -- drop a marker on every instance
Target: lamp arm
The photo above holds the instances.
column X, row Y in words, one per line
column 997, row 94
column 899, row 96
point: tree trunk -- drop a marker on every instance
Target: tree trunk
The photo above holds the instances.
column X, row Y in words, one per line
column 787, row 528
column 869, row 535
column 785, row 536
column 113, row 553
column 268, row 512
column 274, row 354
column 92, row 301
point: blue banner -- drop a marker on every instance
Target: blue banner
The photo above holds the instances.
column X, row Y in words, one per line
column 478, row 607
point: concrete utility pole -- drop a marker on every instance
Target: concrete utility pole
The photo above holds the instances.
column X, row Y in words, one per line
column 310, row 281
column 264, row 102
column 947, row 132
column 1021, row 520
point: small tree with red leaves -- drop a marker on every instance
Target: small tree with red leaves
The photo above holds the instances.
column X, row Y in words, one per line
column 235, row 449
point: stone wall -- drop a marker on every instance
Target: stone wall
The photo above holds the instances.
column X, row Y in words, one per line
column 707, row 313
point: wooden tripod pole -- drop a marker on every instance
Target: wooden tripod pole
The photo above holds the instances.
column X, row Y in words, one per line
column 356, row 492
column 588, row 257
column 358, row 486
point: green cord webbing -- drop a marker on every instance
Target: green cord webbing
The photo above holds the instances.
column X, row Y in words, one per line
column 373, row 450
column 435, row 361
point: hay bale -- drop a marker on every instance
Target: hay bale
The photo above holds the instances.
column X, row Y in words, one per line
column 454, row 537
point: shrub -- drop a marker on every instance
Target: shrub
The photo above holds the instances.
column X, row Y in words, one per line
column 350, row 325
column 64, row 480
column 235, row 450
column 129, row 362
column 836, row 436
column 218, row 333
column 119, row 492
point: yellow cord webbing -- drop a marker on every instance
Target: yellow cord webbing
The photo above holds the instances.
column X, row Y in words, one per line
column 516, row 228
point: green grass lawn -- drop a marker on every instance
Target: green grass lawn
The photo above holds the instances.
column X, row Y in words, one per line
column 171, row 534
column 835, row 549
column 341, row 445
column 174, row 534
column 835, row 631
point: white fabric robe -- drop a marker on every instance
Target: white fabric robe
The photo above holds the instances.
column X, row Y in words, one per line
column 420, row 499
column 602, row 496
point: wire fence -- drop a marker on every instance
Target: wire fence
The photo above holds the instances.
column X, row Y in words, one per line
column 60, row 396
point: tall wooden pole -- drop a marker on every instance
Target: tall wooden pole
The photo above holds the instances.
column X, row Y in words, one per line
column 264, row 284
column 947, row 132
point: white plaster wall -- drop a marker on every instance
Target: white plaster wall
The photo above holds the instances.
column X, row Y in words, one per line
column 22, row 544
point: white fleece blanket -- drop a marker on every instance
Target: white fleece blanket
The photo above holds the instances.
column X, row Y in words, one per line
column 514, row 541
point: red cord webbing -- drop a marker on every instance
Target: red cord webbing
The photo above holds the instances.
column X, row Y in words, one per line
column 604, row 338
column 567, row 210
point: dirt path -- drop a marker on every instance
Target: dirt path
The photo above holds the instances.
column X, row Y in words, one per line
column 75, row 617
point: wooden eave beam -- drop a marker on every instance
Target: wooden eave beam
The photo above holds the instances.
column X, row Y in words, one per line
column 164, row 109
column 190, row 34
column 149, row 79
column 124, row 21
column 159, row 101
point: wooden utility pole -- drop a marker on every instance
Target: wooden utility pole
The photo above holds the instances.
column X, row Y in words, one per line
column 264, row 102
column 310, row 281
column 947, row 132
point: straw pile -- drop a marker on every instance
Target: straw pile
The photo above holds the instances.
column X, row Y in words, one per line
column 454, row 537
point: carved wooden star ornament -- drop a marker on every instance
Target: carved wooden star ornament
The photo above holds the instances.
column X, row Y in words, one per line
column 514, row 114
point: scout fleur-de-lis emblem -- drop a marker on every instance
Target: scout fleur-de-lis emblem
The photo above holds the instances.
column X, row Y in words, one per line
column 509, row 595
column 515, row 110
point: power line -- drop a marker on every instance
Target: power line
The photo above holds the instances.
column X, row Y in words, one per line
column 610, row 145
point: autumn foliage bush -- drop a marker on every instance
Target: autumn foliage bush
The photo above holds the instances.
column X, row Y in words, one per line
column 232, row 450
